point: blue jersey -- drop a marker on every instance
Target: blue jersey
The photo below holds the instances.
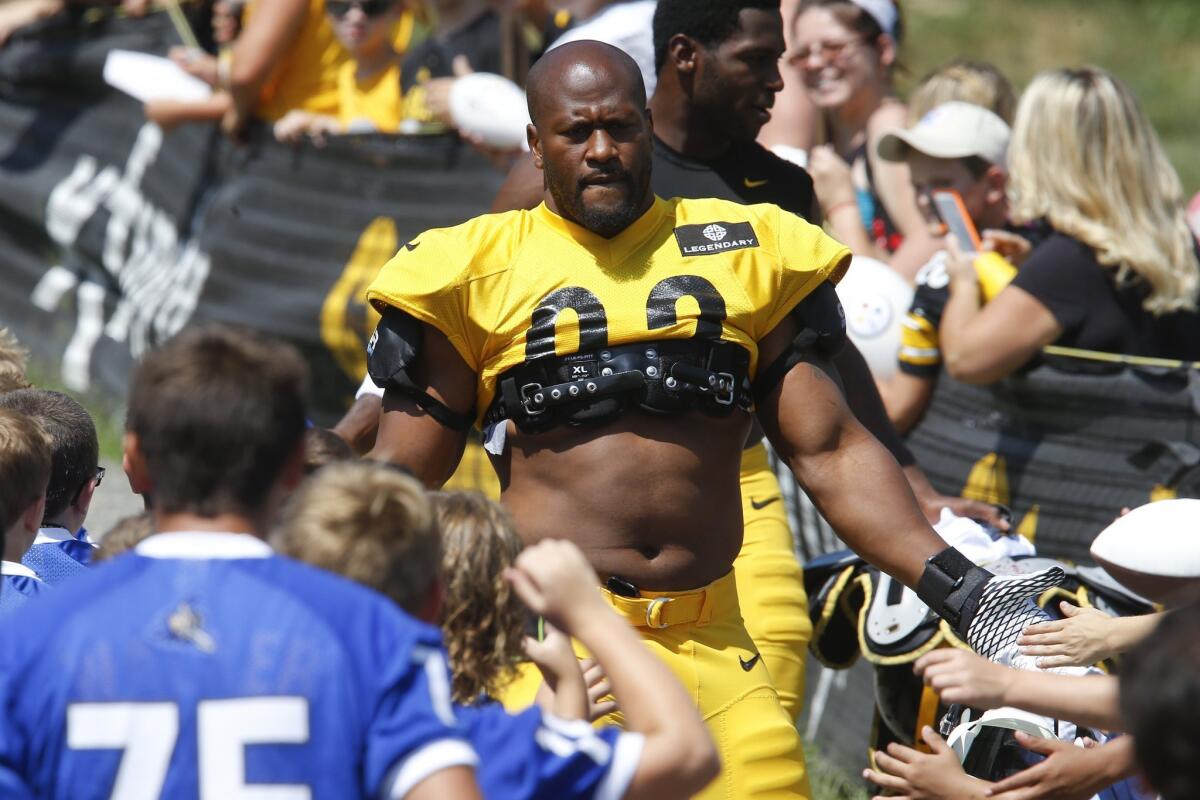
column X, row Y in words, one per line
column 202, row 666
column 58, row 555
column 532, row 756
column 18, row 585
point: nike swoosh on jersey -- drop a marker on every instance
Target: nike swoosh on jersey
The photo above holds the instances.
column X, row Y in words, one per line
column 753, row 184
column 749, row 665
column 757, row 505
column 410, row 246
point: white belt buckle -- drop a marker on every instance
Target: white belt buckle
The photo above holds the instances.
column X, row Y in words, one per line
column 656, row 603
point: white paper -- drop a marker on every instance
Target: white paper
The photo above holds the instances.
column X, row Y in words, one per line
column 145, row 77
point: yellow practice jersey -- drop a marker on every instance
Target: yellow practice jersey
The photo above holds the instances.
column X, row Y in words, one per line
column 506, row 288
column 375, row 99
column 920, row 352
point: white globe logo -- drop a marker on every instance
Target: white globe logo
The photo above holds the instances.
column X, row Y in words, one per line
column 714, row 233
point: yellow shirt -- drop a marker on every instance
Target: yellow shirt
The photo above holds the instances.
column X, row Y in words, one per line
column 509, row 287
column 306, row 78
column 376, row 99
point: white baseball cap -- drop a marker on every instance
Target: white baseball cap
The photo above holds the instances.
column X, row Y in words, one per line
column 951, row 130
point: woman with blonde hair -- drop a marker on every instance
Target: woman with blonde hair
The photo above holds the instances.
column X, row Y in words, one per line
column 846, row 51
column 1118, row 272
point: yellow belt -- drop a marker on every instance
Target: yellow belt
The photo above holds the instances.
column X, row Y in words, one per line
column 664, row 609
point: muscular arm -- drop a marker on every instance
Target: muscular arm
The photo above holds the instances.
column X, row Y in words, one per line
column 854, row 481
column 411, row 438
column 862, row 395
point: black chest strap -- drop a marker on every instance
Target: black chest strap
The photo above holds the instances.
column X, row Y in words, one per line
column 668, row 377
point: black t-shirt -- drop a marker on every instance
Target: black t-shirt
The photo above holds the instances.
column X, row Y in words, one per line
column 478, row 40
column 1064, row 275
column 747, row 173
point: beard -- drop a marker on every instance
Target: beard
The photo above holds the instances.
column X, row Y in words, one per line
column 603, row 219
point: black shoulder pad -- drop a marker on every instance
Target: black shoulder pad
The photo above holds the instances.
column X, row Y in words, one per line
column 822, row 326
column 822, row 317
column 392, row 351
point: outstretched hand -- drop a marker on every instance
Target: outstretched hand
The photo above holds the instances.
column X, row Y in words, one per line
column 1079, row 640
column 913, row 775
column 1067, row 773
column 959, row 676
column 572, row 688
column 554, row 580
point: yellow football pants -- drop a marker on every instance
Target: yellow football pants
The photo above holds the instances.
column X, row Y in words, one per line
column 770, row 581
column 701, row 637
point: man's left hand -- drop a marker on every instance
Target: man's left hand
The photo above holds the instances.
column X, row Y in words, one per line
column 932, row 502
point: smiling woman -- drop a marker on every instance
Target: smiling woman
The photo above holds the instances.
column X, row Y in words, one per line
column 846, row 53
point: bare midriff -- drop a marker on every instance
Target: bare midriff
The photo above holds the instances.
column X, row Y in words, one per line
column 652, row 499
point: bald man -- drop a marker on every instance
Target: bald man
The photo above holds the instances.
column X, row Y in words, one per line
column 612, row 346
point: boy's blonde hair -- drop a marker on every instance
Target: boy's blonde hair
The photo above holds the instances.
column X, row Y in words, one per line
column 24, row 465
column 975, row 82
column 483, row 620
column 1085, row 158
column 370, row 523
column 14, row 360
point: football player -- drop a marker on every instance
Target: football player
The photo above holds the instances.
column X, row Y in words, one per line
column 202, row 664
column 613, row 345
column 718, row 75
column 24, row 475
column 62, row 548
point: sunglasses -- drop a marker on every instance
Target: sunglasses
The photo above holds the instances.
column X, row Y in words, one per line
column 98, row 478
column 371, row 8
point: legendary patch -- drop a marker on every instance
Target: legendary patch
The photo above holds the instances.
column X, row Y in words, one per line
column 714, row 237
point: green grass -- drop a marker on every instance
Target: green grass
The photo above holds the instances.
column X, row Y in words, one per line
column 1149, row 44
column 107, row 411
column 828, row 781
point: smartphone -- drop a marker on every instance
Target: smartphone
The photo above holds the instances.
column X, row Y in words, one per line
column 954, row 216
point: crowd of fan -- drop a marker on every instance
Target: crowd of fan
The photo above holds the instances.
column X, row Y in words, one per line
column 1086, row 245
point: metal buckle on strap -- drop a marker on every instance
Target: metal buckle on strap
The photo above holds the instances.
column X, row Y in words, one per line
column 656, row 603
column 530, row 396
column 725, row 392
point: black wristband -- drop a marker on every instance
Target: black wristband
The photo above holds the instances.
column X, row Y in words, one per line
column 951, row 585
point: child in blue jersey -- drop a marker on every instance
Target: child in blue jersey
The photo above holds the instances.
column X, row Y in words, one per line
column 484, row 622
column 62, row 548
column 202, row 664
column 374, row 524
column 24, row 474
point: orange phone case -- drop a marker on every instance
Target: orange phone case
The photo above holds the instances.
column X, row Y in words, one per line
column 954, row 216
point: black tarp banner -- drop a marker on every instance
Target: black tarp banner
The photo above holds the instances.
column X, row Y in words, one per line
column 113, row 235
column 1066, row 445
